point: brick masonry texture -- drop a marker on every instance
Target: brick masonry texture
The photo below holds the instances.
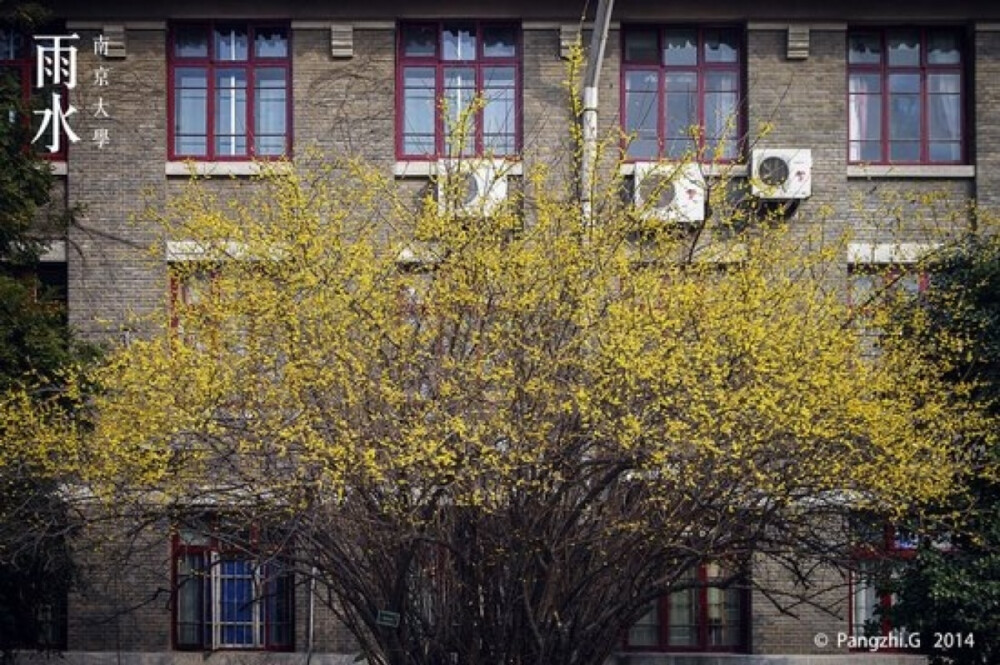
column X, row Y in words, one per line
column 346, row 106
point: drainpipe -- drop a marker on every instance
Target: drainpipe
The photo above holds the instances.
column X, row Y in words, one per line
column 311, row 630
column 591, row 78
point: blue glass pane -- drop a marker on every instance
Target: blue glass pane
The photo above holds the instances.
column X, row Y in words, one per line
column 458, row 43
column 499, row 42
column 720, row 46
column 641, row 113
column 230, row 111
column 680, row 48
column 231, row 43
column 270, row 108
column 190, row 41
column 865, row 48
column 640, row 45
column 419, row 110
column 420, row 41
column 271, row 43
column 904, row 48
column 943, row 48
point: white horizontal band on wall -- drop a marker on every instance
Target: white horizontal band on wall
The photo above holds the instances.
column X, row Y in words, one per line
column 426, row 169
column 711, row 170
column 193, row 168
column 942, row 171
column 888, row 252
column 55, row 252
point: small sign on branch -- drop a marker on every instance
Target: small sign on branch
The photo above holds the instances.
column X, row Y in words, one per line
column 387, row 619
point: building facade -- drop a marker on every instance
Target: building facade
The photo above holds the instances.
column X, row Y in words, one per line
column 857, row 101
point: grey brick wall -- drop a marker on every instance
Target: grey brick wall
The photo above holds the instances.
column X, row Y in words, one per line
column 111, row 278
column 348, row 106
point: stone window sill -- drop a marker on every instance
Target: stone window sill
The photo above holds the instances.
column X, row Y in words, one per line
column 223, row 169
column 911, row 171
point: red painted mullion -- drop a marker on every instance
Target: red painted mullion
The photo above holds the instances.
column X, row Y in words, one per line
column 478, row 133
column 250, row 113
column 700, row 76
column 661, row 97
column 886, row 96
column 479, row 65
column 925, row 121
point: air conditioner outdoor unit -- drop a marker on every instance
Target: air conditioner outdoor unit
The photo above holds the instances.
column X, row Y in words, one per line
column 470, row 188
column 781, row 174
column 669, row 192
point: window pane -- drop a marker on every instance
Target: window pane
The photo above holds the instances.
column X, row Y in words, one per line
column 865, row 84
column 418, row 110
column 230, row 112
column 680, row 48
column 499, row 42
column 904, row 48
column 190, row 111
column 646, row 631
column 191, row 41
column 458, row 43
column 280, row 595
column 420, row 41
column 721, row 82
column 236, row 602
column 866, row 601
column 943, row 48
column 190, row 594
column 723, row 617
column 944, row 107
column 945, row 151
column 904, row 113
column 721, row 123
column 231, row 43
column 641, row 113
column 682, row 128
column 720, row 46
column 640, row 45
column 865, row 48
column 271, row 103
column 459, row 93
column 13, row 45
column 271, row 43
column 683, row 628
column 499, row 112
column 865, row 118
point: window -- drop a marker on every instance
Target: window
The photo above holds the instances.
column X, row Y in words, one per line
column 681, row 92
column 17, row 69
column 15, row 66
column 878, row 556
column 703, row 617
column 460, row 87
column 905, row 96
column 228, row 598
column 229, row 91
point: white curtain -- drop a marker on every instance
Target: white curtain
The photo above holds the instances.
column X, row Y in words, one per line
column 858, row 117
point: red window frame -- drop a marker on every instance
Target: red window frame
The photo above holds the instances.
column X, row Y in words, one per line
column 210, row 64
column 701, row 69
column 212, row 544
column 439, row 64
column 884, row 70
column 701, row 586
column 890, row 547
column 24, row 64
